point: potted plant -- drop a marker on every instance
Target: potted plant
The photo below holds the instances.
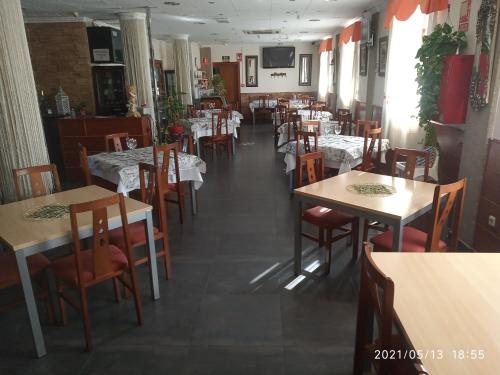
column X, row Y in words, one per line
column 442, row 42
column 218, row 85
column 81, row 109
column 174, row 112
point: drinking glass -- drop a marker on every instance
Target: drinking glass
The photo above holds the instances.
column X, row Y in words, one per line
column 131, row 143
column 337, row 129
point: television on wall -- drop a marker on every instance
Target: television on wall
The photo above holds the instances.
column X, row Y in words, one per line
column 278, row 57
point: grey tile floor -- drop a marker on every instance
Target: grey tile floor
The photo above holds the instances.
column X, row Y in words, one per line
column 221, row 313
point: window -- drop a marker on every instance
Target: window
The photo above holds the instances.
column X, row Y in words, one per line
column 305, row 65
column 348, row 75
column 323, row 76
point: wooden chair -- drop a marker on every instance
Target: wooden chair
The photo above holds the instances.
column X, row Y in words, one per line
column 306, row 141
column 35, row 181
column 229, row 109
column 342, row 111
column 376, row 299
column 280, row 116
column 325, row 219
column 84, row 164
column 210, row 104
column 219, row 138
column 284, row 101
column 177, row 187
column 294, row 121
column 448, row 199
column 264, row 106
column 191, row 110
column 312, row 125
column 153, row 190
column 345, row 122
column 372, row 137
column 117, row 141
column 186, row 144
column 410, row 158
column 101, row 262
column 361, row 125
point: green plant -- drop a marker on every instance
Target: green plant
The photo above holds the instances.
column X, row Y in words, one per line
column 218, row 85
column 442, row 42
column 173, row 108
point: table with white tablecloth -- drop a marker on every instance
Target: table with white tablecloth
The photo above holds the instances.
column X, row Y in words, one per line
column 327, row 127
column 122, row 169
column 202, row 127
column 272, row 103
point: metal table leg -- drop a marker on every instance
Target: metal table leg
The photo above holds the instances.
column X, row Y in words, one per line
column 397, row 237
column 234, row 145
column 253, row 118
column 194, row 208
column 298, row 237
column 153, row 267
column 291, row 180
column 198, row 146
column 29, row 297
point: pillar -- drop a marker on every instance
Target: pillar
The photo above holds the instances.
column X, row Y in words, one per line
column 137, row 58
column 182, row 61
column 22, row 140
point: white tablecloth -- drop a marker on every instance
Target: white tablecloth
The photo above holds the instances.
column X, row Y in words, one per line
column 208, row 113
column 341, row 151
column 326, row 128
column 122, row 168
column 202, row 127
column 271, row 103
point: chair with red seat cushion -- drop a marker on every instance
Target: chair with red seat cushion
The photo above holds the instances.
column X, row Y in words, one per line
column 376, row 300
column 327, row 220
column 102, row 262
column 176, row 188
column 36, row 181
column 152, row 193
column 447, row 199
column 221, row 137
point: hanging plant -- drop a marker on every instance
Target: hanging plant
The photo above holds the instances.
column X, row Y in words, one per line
column 442, row 42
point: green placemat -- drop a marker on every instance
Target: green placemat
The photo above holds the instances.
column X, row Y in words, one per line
column 372, row 189
column 48, row 212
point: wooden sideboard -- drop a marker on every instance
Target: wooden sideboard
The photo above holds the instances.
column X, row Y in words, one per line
column 90, row 133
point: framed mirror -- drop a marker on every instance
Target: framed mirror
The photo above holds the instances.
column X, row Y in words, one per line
column 305, row 66
column 485, row 51
column 251, row 71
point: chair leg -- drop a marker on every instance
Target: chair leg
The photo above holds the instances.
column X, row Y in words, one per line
column 365, row 231
column 62, row 308
column 321, row 236
column 137, row 296
column 86, row 318
column 180, row 198
column 116, row 288
column 355, row 237
column 166, row 259
column 328, row 248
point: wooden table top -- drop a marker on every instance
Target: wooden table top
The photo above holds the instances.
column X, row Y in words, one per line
column 410, row 196
column 448, row 301
column 21, row 233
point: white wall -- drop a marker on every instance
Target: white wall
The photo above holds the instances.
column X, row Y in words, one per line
column 266, row 83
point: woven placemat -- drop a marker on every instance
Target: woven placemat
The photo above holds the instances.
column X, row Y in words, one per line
column 54, row 211
column 372, row 189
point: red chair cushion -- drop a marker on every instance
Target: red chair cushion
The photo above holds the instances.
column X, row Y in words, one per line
column 9, row 275
column 326, row 217
column 136, row 232
column 65, row 267
column 413, row 241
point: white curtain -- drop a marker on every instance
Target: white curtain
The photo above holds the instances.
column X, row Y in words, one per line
column 348, row 76
column 183, row 70
column 324, row 67
column 400, row 121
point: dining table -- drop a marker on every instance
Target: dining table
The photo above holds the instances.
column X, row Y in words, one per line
column 390, row 200
column 327, row 127
column 272, row 103
column 447, row 307
column 122, row 169
column 26, row 234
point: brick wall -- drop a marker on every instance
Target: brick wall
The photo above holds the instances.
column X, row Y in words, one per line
column 60, row 57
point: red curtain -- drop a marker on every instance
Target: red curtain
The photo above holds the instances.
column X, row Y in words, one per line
column 403, row 9
column 326, row 45
column 351, row 33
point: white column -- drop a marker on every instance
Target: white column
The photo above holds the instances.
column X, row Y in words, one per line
column 22, row 141
column 182, row 61
column 136, row 55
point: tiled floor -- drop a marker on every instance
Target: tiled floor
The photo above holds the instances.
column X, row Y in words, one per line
column 216, row 316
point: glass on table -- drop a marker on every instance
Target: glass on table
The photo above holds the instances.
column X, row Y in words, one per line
column 337, row 129
column 131, row 143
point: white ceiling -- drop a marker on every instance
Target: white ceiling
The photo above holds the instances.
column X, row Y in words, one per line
column 198, row 17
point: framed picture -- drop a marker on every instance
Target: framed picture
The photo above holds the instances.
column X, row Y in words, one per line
column 226, row 59
column 305, row 66
column 363, row 59
column 383, row 44
column 251, row 71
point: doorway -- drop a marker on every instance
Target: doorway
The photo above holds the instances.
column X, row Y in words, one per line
column 230, row 72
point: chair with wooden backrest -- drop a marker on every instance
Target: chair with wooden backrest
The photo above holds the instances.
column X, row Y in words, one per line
column 316, row 108
column 306, row 142
column 176, row 187
column 153, row 190
column 284, row 101
column 294, row 124
column 280, row 116
column 117, row 141
column 229, row 109
column 221, row 137
column 361, row 125
column 345, row 122
column 325, row 219
column 84, row 164
column 376, row 300
column 410, row 158
column 191, row 111
column 210, row 104
column 312, row 125
column 36, row 181
column 102, row 262
column 448, row 199
column 373, row 137
column 186, row 144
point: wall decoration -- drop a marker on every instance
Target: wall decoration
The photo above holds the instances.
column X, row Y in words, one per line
column 278, row 75
column 363, row 59
column 463, row 21
column 485, row 51
column 251, row 71
column 239, row 56
column 383, row 45
column 226, row 58
column 305, row 67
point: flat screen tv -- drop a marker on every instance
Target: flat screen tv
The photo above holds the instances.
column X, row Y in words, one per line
column 278, row 57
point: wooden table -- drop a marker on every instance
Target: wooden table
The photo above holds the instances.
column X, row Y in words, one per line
column 449, row 303
column 410, row 200
column 26, row 238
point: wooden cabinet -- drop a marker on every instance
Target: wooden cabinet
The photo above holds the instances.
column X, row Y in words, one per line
column 90, row 133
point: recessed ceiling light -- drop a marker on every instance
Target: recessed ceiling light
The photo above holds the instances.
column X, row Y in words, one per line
column 211, row 2
column 304, row 32
column 200, row 23
column 172, row 3
column 284, row 21
column 315, row 20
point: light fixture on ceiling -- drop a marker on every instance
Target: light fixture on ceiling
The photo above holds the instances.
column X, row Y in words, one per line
column 172, row 3
column 314, row 20
column 211, row 2
column 200, row 23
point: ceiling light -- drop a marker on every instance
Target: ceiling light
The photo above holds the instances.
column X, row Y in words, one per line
column 200, row 23
column 304, row 32
column 315, row 20
column 172, row 3
column 211, row 2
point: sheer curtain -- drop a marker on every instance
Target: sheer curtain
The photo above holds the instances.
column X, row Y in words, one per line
column 400, row 122
column 348, row 76
column 324, row 66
